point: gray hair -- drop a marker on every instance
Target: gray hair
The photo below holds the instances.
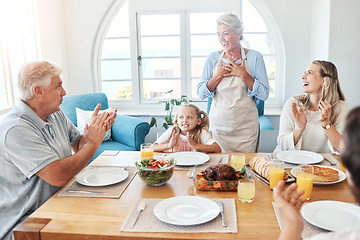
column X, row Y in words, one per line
column 37, row 73
column 232, row 21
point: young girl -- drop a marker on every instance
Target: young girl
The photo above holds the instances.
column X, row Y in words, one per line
column 190, row 133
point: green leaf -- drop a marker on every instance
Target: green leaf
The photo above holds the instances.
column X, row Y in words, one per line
column 165, row 126
column 167, row 106
column 184, row 99
column 168, row 120
column 169, row 92
column 153, row 122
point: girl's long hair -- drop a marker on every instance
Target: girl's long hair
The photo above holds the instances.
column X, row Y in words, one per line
column 196, row 132
column 331, row 90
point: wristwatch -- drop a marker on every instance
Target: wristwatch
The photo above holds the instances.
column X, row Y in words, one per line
column 327, row 126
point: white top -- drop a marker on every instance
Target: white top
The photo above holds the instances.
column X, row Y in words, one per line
column 348, row 234
column 205, row 137
column 313, row 138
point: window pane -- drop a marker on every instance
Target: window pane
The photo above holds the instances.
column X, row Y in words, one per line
column 203, row 22
column 117, row 90
column 161, row 68
column 259, row 42
column 204, row 45
column 4, row 103
column 252, row 20
column 115, row 69
column 155, row 89
column 194, row 83
column 160, row 24
column 116, row 48
column 197, row 65
column 160, row 46
column 120, row 25
column 270, row 63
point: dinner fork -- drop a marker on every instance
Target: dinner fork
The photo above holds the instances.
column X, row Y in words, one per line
column 140, row 209
column 331, row 163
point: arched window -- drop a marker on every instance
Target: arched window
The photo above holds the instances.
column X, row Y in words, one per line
column 148, row 48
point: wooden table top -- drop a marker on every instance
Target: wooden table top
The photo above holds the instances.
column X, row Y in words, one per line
column 101, row 218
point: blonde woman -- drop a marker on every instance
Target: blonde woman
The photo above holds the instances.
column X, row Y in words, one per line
column 314, row 121
column 190, row 133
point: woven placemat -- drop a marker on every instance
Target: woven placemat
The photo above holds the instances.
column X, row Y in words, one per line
column 148, row 222
column 111, row 191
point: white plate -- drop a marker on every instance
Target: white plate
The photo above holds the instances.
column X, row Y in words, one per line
column 189, row 158
column 102, row 176
column 331, row 215
column 342, row 176
column 186, row 210
column 300, row 157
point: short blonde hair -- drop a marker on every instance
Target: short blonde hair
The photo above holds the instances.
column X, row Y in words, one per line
column 37, row 73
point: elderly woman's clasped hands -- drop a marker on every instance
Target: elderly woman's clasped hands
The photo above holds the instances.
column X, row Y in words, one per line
column 234, row 69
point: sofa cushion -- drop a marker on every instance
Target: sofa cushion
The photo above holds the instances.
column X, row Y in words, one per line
column 84, row 117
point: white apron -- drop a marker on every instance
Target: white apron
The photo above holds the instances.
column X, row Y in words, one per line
column 234, row 120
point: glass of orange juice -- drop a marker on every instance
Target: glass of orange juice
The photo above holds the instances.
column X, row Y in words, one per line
column 304, row 179
column 237, row 161
column 276, row 172
column 146, row 151
column 246, row 190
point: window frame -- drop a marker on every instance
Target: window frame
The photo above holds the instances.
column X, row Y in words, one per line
column 137, row 103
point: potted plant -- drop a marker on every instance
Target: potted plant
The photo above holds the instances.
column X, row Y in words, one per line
column 169, row 106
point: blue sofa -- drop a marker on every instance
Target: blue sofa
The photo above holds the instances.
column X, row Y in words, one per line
column 265, row 124
column 127, row 133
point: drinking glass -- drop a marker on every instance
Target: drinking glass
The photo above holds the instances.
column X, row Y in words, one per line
column 146, row 151
column 304, row 179
column 246, row 190
column 276, row 172
column 237, row 161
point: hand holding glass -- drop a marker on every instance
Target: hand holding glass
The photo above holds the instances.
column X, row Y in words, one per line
column 146, row 151
column 276, row 172
column 304, row 180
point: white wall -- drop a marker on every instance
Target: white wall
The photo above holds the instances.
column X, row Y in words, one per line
column 344, row 46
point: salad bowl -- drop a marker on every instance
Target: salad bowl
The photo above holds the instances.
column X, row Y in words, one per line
column 155, row 172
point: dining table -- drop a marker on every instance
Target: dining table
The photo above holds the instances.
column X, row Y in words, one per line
column 67, row 217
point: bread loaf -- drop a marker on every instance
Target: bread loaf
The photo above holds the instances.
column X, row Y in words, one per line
column 261, row 166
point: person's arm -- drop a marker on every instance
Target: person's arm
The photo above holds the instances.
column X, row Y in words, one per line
column 59, row 172
column 166, row 145
column 203, row 90
column 288, row 204
column 300, row 120
column 332, row 133
column 109, row 122
column 287, row 127
column 203, row 147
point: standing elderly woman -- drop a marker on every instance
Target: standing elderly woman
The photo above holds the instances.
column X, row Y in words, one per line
column 314, row 121
column 236, row 78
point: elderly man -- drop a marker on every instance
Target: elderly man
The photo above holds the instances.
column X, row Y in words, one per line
column 36, row 144
column 289, row 203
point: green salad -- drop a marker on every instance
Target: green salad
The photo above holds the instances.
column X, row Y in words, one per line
column 155, row 172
